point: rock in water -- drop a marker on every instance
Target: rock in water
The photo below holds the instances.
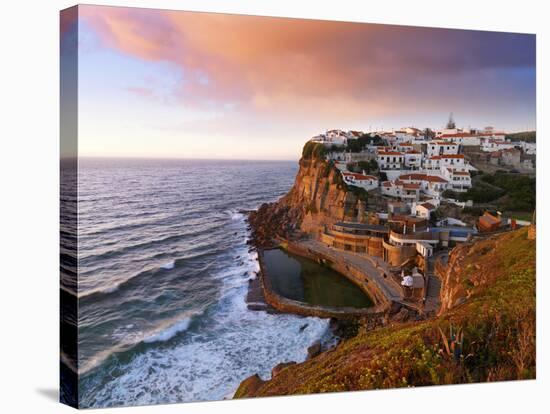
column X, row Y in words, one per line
column 249, row 386
column 314, row 350
column 279, row 367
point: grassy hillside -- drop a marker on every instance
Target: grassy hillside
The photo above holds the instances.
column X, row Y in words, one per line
column 506, row 192
column 528, row 136
column 485, row 333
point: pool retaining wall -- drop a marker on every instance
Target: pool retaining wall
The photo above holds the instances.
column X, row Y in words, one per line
column 381, row 303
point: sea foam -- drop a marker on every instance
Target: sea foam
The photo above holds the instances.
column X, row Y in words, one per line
column 170, row 332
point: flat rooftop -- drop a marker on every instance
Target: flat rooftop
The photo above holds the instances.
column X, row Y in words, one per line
column 361, row 226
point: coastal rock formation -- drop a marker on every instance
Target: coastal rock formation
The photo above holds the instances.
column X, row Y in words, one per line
column 250, row 385
column 314, row 350
column 279, row 367
column 470, row 267
column 318, row 197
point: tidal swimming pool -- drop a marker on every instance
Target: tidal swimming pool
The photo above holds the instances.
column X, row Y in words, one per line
column 306, row 281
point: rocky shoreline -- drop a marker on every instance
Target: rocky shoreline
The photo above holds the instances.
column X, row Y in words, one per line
column 283, row 220
column 261, row 238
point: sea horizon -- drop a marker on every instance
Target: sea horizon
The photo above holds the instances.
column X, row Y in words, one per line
column 135, row 158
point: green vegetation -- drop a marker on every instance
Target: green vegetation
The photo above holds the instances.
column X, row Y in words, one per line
column 479, row 193
column 338, row 180
column 520, row 190
column 527, row 136
column 489, row 337
column 473, row 211
column 314, row 150
column 359, row 192
column 325, row 169
column 369, row 167
column 504, row 191
column 359, row 144
column 429, row 133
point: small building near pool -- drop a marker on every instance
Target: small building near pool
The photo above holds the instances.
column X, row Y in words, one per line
column 356, row 237
column 488, row 222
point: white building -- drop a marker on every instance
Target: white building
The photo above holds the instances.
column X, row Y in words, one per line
column 413, row 159
column 401, row 190
column 459, row 179
column 389, row 137
column 403, row 136
column 441, row 148
column 404, row 146
column 337, row 137
column 432, row 185
column 329, row 140
column 438, row 162
column 424, row 210
column 390, row 160
column 368, row 182
column 491, row 145
column 529, row 148
column 462, row 138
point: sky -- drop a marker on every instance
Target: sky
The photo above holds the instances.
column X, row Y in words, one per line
column 157, row 83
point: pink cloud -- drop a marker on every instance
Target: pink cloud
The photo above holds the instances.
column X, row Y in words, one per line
column 303, row 67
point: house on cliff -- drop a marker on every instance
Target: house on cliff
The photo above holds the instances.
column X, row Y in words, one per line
column 424, row 210
column 401, row 190
column 368, row 182
column 390, row 160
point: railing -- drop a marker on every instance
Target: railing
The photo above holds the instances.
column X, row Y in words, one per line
column 424, row 236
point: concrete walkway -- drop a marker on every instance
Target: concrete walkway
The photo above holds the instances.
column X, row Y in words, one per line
column 370, row 266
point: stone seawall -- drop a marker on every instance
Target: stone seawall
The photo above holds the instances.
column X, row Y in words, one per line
column 381, row 303
column 347, row 270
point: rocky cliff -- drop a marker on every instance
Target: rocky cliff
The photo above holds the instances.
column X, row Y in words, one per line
column 318, row 197
column 484, row 332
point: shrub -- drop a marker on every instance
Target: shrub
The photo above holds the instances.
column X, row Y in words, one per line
column 359, row 192
column 314, row 150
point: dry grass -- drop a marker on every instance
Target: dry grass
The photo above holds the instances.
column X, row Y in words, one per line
column 491, row 337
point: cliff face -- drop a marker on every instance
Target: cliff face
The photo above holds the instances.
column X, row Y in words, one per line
column 318, row 197
column 485, row 332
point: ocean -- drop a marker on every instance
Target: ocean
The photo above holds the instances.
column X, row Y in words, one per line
column 163, row 274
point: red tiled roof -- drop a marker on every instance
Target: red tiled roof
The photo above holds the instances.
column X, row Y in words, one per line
column 490, row 134
column 412, row 176
column 390, row 153
column 488, row 219
column 458, row 135
column 360, row 176
column 411, row 186
column 428, row 206
column 441, row 143
column 438, row 157
column 435, row 179
column 423, row 177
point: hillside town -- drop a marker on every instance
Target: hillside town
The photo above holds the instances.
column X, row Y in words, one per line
column 414, row 187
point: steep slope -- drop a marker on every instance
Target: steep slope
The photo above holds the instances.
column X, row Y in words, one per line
column 318, row 197
column 485, row 332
